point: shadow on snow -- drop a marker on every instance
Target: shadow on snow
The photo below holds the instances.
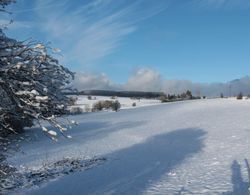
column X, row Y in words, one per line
column 133, row 169
column 240, row 187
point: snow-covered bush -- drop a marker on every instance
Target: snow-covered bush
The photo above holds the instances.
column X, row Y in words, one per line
column 98, row 106
column 75, row 110
column 72, row 101
column 32, row 84
column 116, row 105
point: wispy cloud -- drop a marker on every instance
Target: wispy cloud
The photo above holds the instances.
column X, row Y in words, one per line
column 89, row 31
column 222, row 4
column 42, row 6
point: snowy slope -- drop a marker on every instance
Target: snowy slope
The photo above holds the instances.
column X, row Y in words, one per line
column 83, row 101
column 192, row 147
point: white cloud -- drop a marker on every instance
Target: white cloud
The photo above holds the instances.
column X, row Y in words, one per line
column 87, row 81
column 143, row 79
column 146, row 79
column 179, row 86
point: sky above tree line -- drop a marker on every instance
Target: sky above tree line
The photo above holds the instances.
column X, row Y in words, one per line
column 120, row 43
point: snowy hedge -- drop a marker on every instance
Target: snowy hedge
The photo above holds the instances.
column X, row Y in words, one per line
column 32, row 84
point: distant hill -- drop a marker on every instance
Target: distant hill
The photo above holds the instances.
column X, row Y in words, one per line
column 136, row 94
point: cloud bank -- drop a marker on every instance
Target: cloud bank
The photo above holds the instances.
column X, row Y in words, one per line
column 88, row 81
column 146, row 79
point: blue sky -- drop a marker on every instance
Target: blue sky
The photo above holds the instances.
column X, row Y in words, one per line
column 198, row 40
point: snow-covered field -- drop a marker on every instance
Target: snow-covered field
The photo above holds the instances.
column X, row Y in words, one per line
column 190, row 147
column 84, row 103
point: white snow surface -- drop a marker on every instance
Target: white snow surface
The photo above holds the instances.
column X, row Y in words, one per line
column 190, row 147
column 83, row 101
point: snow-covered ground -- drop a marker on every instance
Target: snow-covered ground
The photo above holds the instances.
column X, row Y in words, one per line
column 190, row 147
column 84, row 103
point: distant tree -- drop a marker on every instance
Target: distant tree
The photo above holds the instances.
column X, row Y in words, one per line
column 221, row 95
column 189, row 94
column 32, row 84
column 183, row 95
column 163, row 98
column 89, row 97
column 239, row 96
column 116, row 105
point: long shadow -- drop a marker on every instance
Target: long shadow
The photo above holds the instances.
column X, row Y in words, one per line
column 240, row 187
column 132, row 170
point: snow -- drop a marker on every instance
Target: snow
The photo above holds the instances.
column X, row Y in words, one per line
column 44, row 129
column 52, row 133
column 190, row 147
column 126, row 103
column 42, row 98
